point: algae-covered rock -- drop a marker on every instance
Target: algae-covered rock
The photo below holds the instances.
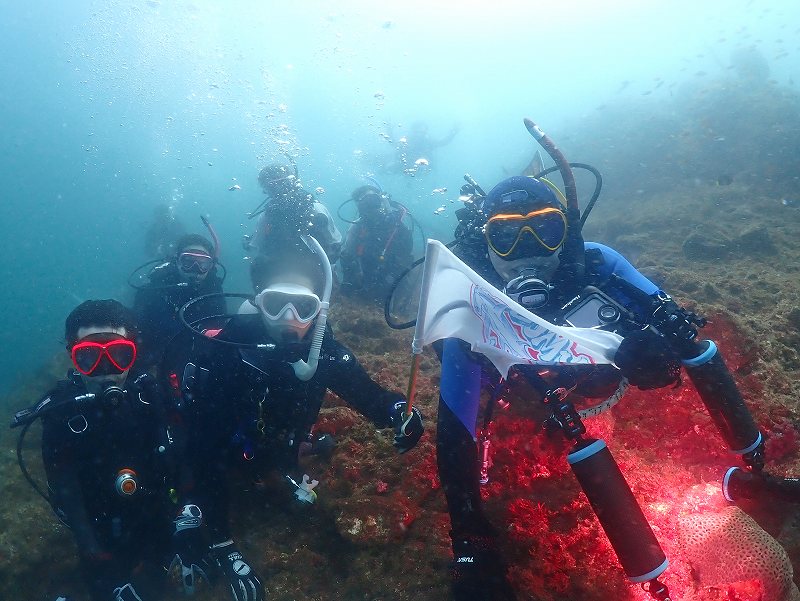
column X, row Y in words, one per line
column 755, row 241
column 707, row 245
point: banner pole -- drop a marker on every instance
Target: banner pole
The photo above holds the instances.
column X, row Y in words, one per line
column 412, row 383
column 419, row 330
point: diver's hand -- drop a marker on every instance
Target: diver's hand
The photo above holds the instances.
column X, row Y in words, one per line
column 244, row 584
column 190, row 547
column 408, row 429
column 647, row 360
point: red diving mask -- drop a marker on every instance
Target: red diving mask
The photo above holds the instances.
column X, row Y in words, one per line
column 103, row 358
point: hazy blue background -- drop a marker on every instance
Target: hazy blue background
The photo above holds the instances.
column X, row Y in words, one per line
column 109, row 108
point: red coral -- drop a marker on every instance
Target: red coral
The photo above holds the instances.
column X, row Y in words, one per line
column 783, row 440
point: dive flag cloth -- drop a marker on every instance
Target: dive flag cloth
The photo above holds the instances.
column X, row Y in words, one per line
column 455, row 302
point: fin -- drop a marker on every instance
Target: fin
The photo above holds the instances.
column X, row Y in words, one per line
column 535, row 167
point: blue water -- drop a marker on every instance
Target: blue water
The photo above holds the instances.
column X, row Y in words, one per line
column 110, row 108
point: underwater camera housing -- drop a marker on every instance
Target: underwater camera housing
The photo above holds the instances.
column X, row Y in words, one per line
column 593, row 309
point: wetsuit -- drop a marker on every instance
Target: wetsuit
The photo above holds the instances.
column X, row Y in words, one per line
column 465, row 375
column 85, row 446
column 375, row 252
column 289, row 214
column 158, row 303
column 250, row 409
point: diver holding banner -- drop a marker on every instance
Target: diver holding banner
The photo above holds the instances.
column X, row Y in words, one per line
column 525, row 302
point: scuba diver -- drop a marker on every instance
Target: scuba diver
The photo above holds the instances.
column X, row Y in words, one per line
column 189, row 273
column 289, row 211
column 378, row 245
column 162, row 232
column 253, row 390
column 416, row 148
column 109, row 450
column 526, row 241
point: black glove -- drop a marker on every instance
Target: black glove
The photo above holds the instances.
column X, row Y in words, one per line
column 647, row 360
column 243, row 582
column 408, row 429
column 191, row 549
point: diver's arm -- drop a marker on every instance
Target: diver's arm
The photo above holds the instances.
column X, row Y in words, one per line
column 325, row 231
column 348, row 379
column 403, row 251
column 446, row 139
column 614, row 263
column 351, row 266
column 61, row 466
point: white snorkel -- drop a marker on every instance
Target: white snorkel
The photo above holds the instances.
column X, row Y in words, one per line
column 305, row 370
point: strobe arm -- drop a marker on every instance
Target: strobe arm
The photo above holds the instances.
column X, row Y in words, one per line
column 741, row 484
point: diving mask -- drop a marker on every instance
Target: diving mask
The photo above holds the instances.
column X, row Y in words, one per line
column 288, row 303
column 505, row 233
column 195, row 262
column 98, row 356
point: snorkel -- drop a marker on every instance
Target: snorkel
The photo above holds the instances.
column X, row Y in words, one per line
column 572, row 260
column 214, row 237
column 375, row 182
column 305, row 370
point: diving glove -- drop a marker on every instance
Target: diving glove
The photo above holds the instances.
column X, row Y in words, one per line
column 647, row 360
column 244, row 584
column 190, row 545
column 408, row 429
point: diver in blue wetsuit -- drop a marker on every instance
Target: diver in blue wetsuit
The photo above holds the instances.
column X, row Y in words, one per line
column 527, row 243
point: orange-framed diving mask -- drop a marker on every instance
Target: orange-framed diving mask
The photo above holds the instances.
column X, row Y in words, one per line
column 547, row 227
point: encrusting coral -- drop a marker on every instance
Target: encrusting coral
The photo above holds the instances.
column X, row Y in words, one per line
column 728, row 546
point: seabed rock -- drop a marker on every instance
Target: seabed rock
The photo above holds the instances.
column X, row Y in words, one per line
column 707, row 246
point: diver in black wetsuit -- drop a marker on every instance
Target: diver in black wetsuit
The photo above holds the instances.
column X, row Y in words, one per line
column 288, row 212
column 109, row 451
column 377, row 247
column 191, row 272
column 255, row 389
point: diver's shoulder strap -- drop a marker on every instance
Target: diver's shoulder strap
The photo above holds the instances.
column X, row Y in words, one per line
column 594, row 261
column 64, row 391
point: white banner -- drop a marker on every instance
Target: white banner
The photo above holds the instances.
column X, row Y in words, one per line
column 455, row 302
